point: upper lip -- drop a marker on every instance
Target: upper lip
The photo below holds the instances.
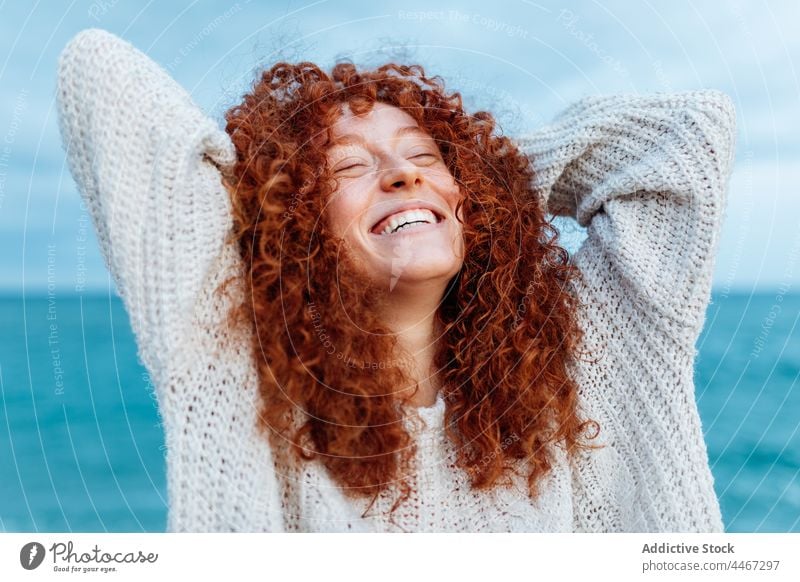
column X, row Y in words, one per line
column 402, row 207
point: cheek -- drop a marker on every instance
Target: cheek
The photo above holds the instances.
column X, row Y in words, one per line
column 447, row 183
column 343, row 212
column 455, row 195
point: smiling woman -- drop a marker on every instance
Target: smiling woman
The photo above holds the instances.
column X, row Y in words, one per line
column 390, row 146
column 395, row 210
column 357, row 314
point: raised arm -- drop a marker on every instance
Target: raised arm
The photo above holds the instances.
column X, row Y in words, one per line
column 647, row 176
column 147, row 163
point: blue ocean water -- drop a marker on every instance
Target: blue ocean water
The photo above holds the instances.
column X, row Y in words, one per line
column 82, row 448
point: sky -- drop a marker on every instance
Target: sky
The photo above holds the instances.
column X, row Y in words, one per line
column 523, row 61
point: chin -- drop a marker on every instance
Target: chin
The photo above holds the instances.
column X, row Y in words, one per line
column 407, row 264
column 408, row 276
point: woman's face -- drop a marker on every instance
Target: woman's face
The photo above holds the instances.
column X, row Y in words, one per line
column 390, row 173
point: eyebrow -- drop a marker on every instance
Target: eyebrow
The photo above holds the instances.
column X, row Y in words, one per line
column 357, row 139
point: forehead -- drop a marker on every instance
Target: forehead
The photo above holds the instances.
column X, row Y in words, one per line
column 382, row 122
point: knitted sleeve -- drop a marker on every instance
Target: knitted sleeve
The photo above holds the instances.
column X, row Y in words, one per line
column 147, row 163
column 647, row 176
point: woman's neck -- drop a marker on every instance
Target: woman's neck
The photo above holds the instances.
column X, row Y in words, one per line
column 416, row 329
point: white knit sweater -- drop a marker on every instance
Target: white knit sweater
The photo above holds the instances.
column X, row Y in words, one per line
column 646, row 175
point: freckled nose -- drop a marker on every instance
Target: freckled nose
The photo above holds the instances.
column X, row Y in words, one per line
column 400, row 173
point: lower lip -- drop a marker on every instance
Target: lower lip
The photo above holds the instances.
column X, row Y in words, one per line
column 427, row 228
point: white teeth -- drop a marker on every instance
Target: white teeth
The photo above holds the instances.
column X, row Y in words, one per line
column 403, row 219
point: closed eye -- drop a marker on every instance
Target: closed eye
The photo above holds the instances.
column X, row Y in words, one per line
column 351, row 166
column 425, row 155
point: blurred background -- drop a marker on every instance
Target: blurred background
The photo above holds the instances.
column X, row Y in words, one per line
column 81, row 443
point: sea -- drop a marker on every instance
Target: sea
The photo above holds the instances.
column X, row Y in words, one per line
column 82, row 444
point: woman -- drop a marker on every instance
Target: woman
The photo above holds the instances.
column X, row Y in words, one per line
column 356, row 254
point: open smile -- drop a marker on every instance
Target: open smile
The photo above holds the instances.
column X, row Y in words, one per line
column 411, row 229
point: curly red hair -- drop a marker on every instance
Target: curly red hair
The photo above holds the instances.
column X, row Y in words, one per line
column 326, row 363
